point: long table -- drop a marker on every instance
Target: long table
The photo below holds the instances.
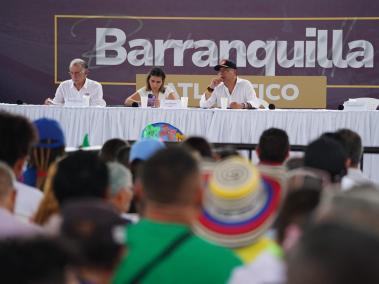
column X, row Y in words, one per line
column 234, row 126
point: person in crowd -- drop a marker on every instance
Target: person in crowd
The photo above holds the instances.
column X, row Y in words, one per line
column 50, row 147
column 123, row 155
column 79, row 89
column 239, row 207
column 161, row 246
column 353, row 146
column 109, row 151
column 327, row 154
column 240, row 92
column 357, row 207
column 155, row 90
column 81, row 175
column 200, row 145
column 121, row 185
column 141, row 151
column 272, row 150
column 10, row 226
column 96, row 230
column 334, row 253
column 43, row 260
column 17, row 137
column 295, row 216
column 49, row 205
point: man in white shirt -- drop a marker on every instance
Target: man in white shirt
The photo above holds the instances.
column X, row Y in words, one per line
column 10, row 226
column 240, row 92
column 16, row 140
column 79, row 89
column 352, row 143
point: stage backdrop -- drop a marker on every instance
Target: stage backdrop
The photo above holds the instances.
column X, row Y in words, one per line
column 310, row 54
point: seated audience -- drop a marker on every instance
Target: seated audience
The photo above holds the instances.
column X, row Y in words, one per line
column 272, row 150
column 17, row 137
column 335, row 254
column 121, row 193
column 161, row 247
column 97, row 232
column 155, row 90
column 81, row 175
column 79, row 89
column 352, row 143
column 10, row 226
column 239, row 207
column 49, row 204
column 327, row 154
column 50, row 147
column 39, row 260
column 109, row 151
column 200, row 145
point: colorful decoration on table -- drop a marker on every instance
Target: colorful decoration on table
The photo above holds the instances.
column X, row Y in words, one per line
column 162, row 131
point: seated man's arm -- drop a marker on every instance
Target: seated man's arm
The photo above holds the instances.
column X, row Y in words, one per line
column 251, row 97
column 209, row 97
column 97, row 97
column 58, row 97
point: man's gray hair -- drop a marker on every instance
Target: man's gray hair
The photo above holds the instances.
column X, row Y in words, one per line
column 7, row 179
column 119, row 177
column 78, row 61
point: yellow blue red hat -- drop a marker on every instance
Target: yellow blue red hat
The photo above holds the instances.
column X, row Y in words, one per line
column 239, row 204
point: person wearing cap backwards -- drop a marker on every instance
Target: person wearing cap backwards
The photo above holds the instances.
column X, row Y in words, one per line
column 240, row 92
column 78, row 87
column 50, row 147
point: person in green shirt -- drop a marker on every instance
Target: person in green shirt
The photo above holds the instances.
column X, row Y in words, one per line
column 161, row 247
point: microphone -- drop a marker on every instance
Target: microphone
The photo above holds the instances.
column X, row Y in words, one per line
column 134, row 104
column 20, row 102
column 340, row 107
column 271, row 106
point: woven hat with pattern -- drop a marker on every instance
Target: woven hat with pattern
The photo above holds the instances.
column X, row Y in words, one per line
column 239, row 204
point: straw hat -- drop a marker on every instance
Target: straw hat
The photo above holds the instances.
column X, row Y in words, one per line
column 239, row 205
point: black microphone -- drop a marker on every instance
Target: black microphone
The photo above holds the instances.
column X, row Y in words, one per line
column 134, row 104
column 340, row 107
column 20, row 102
column 271, row 106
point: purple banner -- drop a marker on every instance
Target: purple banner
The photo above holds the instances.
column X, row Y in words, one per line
column 321, row 39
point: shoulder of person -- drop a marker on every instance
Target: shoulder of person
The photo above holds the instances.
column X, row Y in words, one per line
column 93, row 82
column 142, row 91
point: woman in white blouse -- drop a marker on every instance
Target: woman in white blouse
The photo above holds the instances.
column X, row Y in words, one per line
column 155, row 90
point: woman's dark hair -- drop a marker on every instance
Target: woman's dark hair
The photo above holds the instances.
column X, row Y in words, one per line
column 157, row 72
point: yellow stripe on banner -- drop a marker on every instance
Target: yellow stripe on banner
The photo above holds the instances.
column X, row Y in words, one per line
column 222, row 18
column 55, row 49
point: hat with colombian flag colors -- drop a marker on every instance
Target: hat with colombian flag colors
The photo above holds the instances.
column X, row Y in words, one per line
column 239, row 204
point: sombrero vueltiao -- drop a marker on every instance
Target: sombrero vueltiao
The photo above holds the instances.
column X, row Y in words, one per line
column 239, row 204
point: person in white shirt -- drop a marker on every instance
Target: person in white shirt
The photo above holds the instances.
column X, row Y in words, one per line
column 79, row 89
column 155, row 90
column 10, row 226
column 17, row 137
column 352, row 143
column 240, row 92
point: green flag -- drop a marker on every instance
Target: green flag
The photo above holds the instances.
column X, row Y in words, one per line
column 85, row 142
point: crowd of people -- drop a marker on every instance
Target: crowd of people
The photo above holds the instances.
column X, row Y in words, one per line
column 184, row 213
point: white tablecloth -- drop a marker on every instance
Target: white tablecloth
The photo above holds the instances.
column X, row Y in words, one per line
column 237, row 126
